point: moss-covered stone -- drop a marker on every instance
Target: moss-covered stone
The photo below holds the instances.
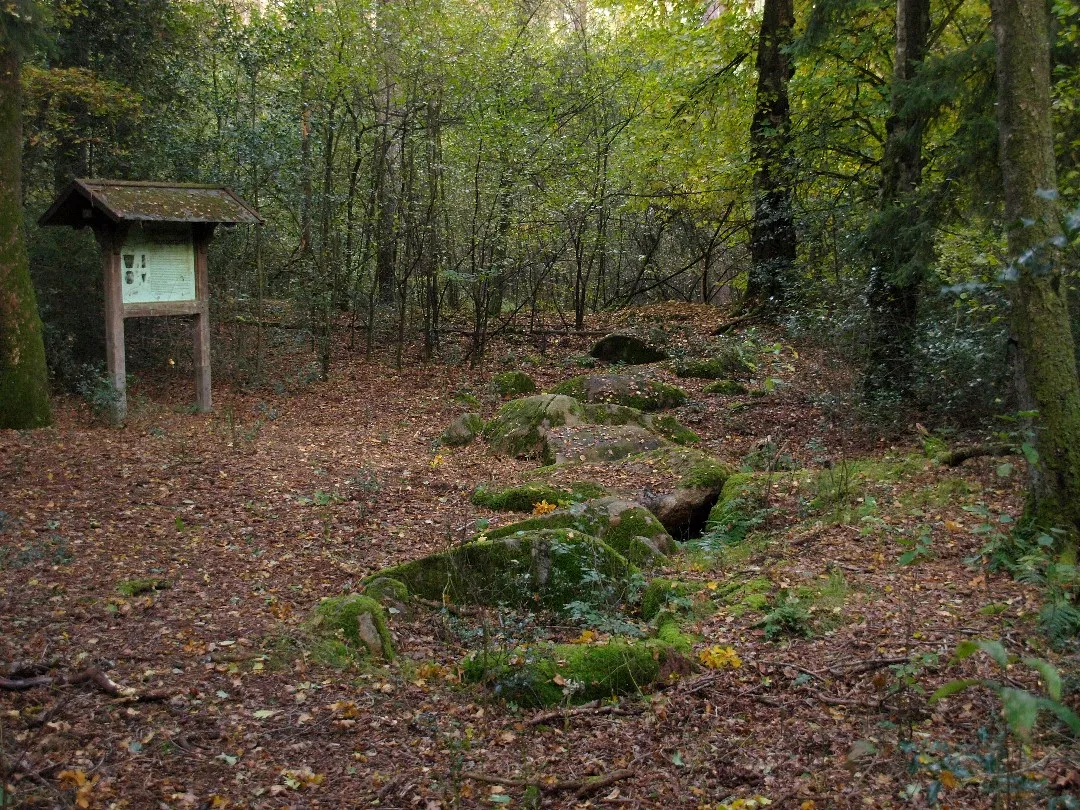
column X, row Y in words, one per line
column 462, row 430
column 627, row 527
column 746, row 596
column 546, row 568
column 627, row 348
column 387, row 590
column 598, row 443
column 635, row 391
column 513, row 383
column 525, row 497
column 727, row 388
column 135, row 587
column 741, row 501
column 660, row 593
column 572, row 673
column 359, row 620
column 519, row 427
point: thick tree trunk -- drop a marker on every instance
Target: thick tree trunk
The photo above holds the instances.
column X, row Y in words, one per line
column 899, row 242
column 1046, row 372
column 24, row 392
column 772, row 233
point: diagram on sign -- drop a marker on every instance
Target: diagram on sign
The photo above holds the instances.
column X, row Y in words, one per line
column 157, row 267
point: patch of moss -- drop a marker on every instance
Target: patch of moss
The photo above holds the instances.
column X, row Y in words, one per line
column 462, row 430
column 641, row 393
column 523, row 498
column 570, row 673
column 727, row 388
column 513, row 383
column 632, row 530
column 134, row 587
column 669, row 631
column 387, row 589
column 671, row 429
column 740, row 507
column 746, row 596
column 940, row 493
column 574, row 387
column 538, row 568
column 353, row 617
column 661, row 593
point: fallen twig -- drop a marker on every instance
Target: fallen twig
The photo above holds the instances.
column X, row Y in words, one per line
column 859, row 667
column 92, row 675
column 581, row 787
column 595, row 707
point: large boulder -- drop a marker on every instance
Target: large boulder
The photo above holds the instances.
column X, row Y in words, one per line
column 626, row 526
column 519, row 429
column 621, row 347
column 633, row 390
column 547, row 568
column 598, row 443
column 677, row 484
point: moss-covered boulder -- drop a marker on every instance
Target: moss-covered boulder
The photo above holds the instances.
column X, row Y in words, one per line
column 575, row 673
column 635, row 391
column 547, row 568
column 626, row 526
column 677, row 484
column 525, row 497
column 621, row 347
column 519, row 429
column 462, row 430
column 662, row 424
column 739, row 509
column 727, row 388
column 513, row 383
column 598, row 443
column 357, row 619
column 392, row 594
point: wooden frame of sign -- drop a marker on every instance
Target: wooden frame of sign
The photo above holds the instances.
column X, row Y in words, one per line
column 154, row 239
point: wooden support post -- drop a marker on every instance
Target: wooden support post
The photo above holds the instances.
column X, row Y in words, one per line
column 203, row 399
column 111, row 244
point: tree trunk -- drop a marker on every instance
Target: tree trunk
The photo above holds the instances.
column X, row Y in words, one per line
column 24, row 380
column 1046, row 363
column 772, row 232
column 899, row 240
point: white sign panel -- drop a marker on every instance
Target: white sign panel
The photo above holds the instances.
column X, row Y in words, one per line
column 157, row 266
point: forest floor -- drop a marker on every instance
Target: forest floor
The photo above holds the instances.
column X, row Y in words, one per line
column 244, row 519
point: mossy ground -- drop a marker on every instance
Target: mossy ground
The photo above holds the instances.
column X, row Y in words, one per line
column 727, row 388
column 525, row 497
column 135, row 587
column 571, row 673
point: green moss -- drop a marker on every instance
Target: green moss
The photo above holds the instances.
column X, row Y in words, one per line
column 662, row 592
column 671, row 429
column 739, row 509
column 670, row 633
column 538, row 568
column 747, row 596
column 711, row 368
column 574, row 387
column 934, row 447
column 134, row 587
column 513, row 383
column 728, row 388
column 629, row 531
column 585, row 671
column 517, row 428
column 387, row 589
column 524, row 498
column 352, row 617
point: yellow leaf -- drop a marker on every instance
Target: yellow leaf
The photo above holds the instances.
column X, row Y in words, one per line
column 948, row 780
column 712, row 586
column 544, row 508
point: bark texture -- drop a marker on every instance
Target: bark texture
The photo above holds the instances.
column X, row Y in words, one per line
column 24, row 393
column 772, row 233
column 1046, row 372
column 899, row 240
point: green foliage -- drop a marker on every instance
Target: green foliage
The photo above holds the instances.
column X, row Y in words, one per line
column 741, row 509
column 1020, row 708
column 136, row 587
column 788, row 616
